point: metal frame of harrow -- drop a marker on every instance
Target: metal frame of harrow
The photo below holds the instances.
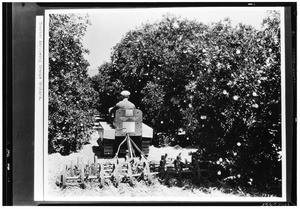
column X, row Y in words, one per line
column 98, row 171
column 132, row 167
column 115, row 170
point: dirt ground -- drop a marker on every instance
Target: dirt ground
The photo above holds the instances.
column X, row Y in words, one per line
column 140, row 189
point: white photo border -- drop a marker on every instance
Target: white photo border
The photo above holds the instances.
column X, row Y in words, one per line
column 41, row 194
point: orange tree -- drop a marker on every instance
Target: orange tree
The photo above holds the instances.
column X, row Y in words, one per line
column 219, row 83
column 108, row 86
column 154, row 63
column 235, row 111
column 71, row 97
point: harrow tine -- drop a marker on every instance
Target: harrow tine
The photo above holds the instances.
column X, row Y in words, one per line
column 129, row 172
column 147, row 170
column 101, row 174
column 116, row 172
column 90, row 169
column 63, row 177
column 71, row 168
column 82, row 172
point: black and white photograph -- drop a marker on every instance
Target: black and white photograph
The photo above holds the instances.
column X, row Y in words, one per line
column 163, row 104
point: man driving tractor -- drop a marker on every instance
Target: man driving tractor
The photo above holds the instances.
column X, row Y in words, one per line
column 123, row 104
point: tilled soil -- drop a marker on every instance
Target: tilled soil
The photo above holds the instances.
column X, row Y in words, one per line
column 139, row 189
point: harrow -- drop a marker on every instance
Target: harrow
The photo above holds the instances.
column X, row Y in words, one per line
column 118, row 170
column 100, row 170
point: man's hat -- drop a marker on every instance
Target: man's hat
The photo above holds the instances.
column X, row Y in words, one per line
column 125, row 93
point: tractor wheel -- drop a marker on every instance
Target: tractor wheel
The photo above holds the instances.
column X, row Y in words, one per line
column 101, row 180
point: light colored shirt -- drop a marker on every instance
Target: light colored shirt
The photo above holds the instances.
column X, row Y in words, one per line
column 125, row 104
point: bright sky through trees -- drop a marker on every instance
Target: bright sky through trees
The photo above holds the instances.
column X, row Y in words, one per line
column 109, row 25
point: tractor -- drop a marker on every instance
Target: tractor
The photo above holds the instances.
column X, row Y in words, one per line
column 127, row 123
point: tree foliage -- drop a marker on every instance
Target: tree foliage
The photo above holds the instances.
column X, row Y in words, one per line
column 240, row 97
column 71, row 97
column 218, row 83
